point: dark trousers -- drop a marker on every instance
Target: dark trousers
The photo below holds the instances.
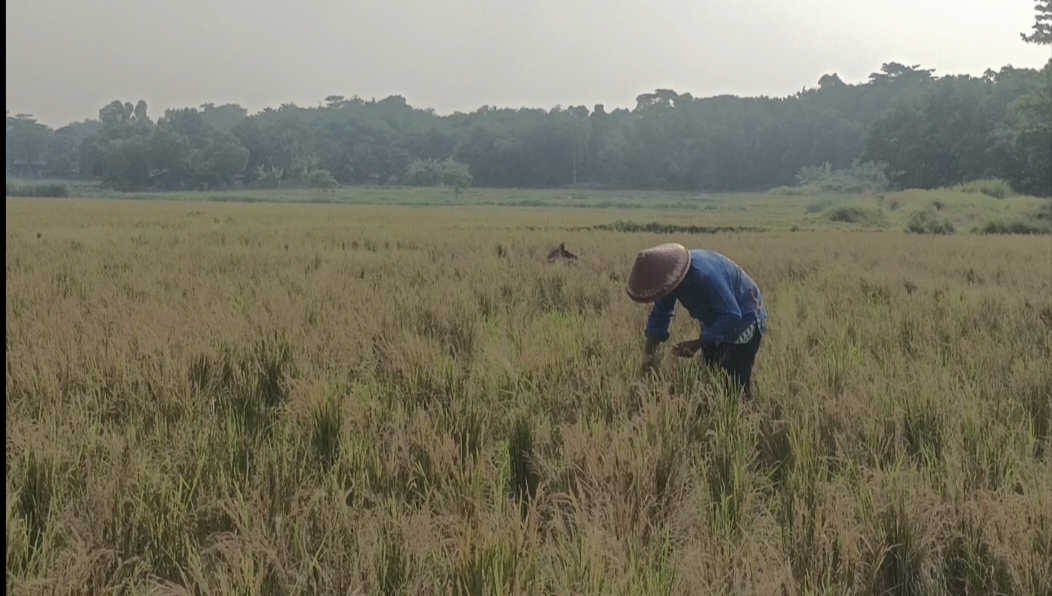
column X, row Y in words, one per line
column 736, row 360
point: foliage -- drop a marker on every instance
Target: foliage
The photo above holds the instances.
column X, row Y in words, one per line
column 456, row 176
column 811, row 174
column 1015, row 225
column 931, row 131
column 322, row 180
column 998, row 189
column 866, row 216
column 1027, row 136
column 962, row 128
column 210, row 398
column 791, row 191
column 655, row 227
column 1044, row 211
column 41, row 190
column 432, row 172
column 424, row 172
column 269, row 177
column 860, row 177
column 818, row 206
column 928, row 222
column 1042, row 31
column 26, row 139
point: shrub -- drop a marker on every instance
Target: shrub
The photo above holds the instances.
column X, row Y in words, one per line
column 662, row 228
column 322, row 179
column 791, row 191
column 819, row 206
column 992, row 187
column 859, row 178
column 38, row 190
column 927, row 222
column 1044, row 212
column 809, row 174
column 1014, row 226
column 856, row 215
column 456, row 175
column 424, row 172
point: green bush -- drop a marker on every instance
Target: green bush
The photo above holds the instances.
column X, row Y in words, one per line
column 1045, row 211
column 424, row 172
column 819, row 206
column 859, row 178
column 661, row 228
column 1015, row 226
column 823, row 179
column 856, row 215
column 322, row 179
column 792, row 191
column 38, row 190
column 927, row 222
column 992, row 187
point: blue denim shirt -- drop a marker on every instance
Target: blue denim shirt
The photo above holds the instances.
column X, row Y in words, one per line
column 718, row 294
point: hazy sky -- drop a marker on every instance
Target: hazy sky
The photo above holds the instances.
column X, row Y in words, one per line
column 68, row 58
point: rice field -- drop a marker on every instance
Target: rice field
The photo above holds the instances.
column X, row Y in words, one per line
column 272, row 399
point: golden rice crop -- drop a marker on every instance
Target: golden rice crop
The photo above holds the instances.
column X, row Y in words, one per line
column 280, row 399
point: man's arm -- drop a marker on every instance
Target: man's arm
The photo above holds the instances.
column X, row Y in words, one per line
column 660, row 319
column 721, row 299
column 657, row 328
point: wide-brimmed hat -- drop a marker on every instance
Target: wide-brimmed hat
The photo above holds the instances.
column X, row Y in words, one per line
column 657, row 271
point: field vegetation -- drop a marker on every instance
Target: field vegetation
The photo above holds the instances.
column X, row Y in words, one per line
column 854, row 206
column 52, row 190
column 270, row 399
column 903, row 127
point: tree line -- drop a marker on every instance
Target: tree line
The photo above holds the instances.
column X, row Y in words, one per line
column 918, row 129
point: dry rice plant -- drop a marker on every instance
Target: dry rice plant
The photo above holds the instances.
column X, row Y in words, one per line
column 246, row 399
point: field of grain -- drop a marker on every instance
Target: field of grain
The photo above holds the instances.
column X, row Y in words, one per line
column 275, row 399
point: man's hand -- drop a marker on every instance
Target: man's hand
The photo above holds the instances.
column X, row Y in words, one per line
column 687, row 349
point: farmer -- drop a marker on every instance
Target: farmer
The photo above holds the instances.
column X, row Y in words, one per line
column 716, row 292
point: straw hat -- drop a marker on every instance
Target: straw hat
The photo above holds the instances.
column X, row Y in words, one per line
column 657, row 271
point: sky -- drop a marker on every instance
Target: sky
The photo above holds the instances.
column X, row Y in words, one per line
column 68, row 58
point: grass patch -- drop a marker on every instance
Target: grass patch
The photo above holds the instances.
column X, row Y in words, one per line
column 1016, row 225
column 991, row 187
column 663, row 228
column 927, row 222
column 794, row 191
column 1044, row 212
column 865, row 216
column 818, row 206
column 49, row 190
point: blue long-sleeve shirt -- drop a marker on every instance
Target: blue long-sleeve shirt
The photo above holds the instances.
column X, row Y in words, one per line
column 718, row 294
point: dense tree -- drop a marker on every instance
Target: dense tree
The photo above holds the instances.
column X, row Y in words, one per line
column 940, row 136
column 1031, row 118
column 424, row 172
column 26, row 139
column 1042, row 31
column 930, row 130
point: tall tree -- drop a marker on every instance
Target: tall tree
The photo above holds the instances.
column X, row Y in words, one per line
column 26, row 139
column 1042, row 31
column 932, row 129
